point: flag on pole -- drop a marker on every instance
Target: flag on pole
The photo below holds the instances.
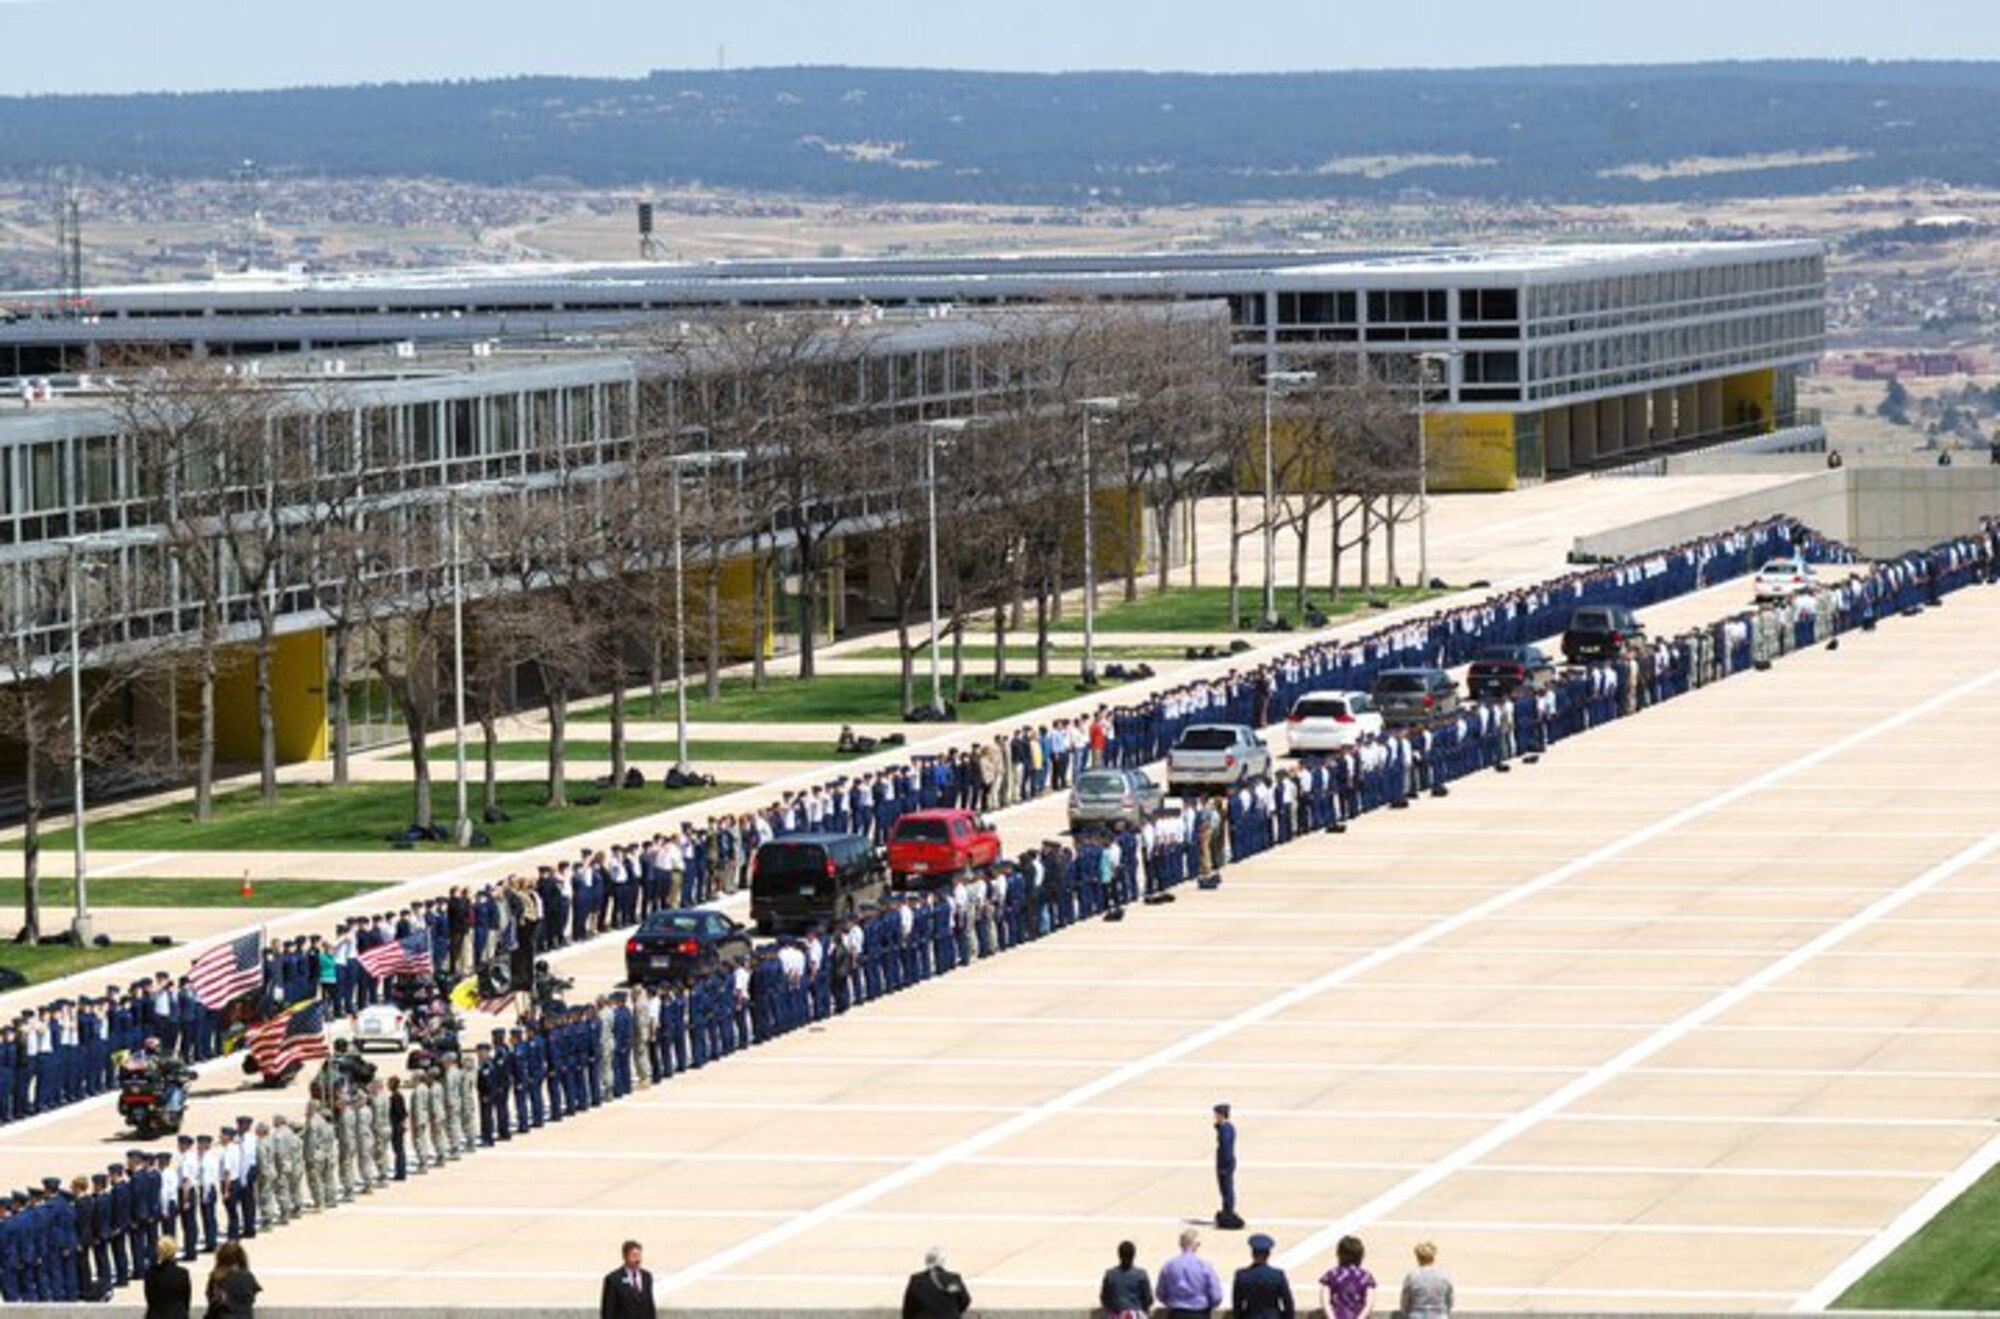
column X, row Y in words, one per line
column 407, row 956
column 228, row 971
column 297, row 1036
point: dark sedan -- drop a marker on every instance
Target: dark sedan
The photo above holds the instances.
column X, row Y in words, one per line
column 675, row 945
column 1503, row 671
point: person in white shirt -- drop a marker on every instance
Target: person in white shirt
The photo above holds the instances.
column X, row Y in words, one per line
column 209, row 1160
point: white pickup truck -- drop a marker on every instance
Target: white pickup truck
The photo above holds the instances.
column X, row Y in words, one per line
column 1215, row 756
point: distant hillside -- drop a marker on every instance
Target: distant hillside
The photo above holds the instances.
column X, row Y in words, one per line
column 1575, row 134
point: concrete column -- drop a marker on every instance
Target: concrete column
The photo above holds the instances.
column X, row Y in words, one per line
column 1610, row 427
column 1687, row 411
column 1712, row 419
column 1583, row 434
column 1637, row 433
column 1555, row 440
column 1663, row 416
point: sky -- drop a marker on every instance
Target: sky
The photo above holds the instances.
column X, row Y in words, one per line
column 197, row 45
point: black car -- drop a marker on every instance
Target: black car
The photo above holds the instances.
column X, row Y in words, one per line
column 675, row 945
column 1498, row 672
column 1601, row 632
column 802, row 880
column 1413, row 696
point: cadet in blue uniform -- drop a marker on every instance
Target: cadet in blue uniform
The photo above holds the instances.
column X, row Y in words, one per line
column 1261, row 1291
column 1225, row 1167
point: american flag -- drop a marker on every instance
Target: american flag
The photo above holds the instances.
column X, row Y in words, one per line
column 298, row 1036
column 228, row 971
column 407, row 956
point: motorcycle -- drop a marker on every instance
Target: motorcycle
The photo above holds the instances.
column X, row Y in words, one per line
column 152, row 1101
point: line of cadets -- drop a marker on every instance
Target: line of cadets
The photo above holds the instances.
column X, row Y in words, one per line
column 581, row 1058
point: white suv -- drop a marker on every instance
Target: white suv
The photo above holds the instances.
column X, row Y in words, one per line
column 1330, row 721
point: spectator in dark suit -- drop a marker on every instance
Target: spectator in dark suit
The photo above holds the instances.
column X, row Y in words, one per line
column 169, row 1291
column 1262, row 1291
column 937, row 1292
column 628, row 1292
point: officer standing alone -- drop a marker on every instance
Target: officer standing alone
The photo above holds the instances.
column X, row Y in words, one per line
column 1225, row 1168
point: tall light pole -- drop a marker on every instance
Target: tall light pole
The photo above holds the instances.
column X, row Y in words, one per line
column 1092, row 408
column 1274, row 381
column 1425, row 363
column 950, row 426
column 80, row 928
column 461, row 829
column 676, row 463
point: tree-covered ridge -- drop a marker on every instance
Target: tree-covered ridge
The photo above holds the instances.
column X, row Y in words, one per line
column 1582, row 134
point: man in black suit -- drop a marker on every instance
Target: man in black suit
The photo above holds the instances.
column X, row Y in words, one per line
column 628, row 1292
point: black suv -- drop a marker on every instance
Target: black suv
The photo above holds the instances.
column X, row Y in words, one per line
column 802, row 880
column 1601, row 632
column 1499, row 672
column 1413, row 696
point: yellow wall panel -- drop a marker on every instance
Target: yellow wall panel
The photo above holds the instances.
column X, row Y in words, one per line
column 1470, row 451
column 1750, row 397
column 298, row 699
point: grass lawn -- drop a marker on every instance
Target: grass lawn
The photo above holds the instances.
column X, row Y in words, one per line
column 318, row 818
column 41, row 962
column 701, row 751
column 833, row 699
column 1949, row 1265
column 1205, row 609
column 153, row 891
column 1066, row 652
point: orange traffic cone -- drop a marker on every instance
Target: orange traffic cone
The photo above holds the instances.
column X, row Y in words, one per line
column 248, row 890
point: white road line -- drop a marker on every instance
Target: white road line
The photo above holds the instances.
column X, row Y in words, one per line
column 1611, row 1069
column 1443, row 1225
column 861, row 1196
column 1901, row 1228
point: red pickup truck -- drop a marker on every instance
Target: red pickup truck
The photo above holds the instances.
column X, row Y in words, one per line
column 928, row 848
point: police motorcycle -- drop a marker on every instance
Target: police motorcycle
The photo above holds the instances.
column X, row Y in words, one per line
column 152, row 1093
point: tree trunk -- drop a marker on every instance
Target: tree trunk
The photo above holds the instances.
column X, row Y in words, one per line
column 1163, row 521
column 711, row 679
column 418, row 723
column 267, row 719
column 1000, row 635
column 1193, row 507
column 558, row 708
column 489, row 738
column 204, row 773
column 1389, row 543
column 1333, row 554
column 808, row 612
column 957, row 650
column 1367, row 542
column 760, row 624
column 343, row 721
column 1305, row 540
column 1235, row 560
column 618, row 757
column 907, row 670
column 656, row 677
column 1042, row 630
column 1133, row 503
column 31, row 824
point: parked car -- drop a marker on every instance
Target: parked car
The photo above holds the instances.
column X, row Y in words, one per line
column 1329, row 721
column 1410, row 696
column 675, row 945
column 382, row 1025
column 1498, row 672
column 802, row 880
column 1215, row 756
column 1102, row 796
column 1781, row 579
column 928, row 848
column 1601, row 632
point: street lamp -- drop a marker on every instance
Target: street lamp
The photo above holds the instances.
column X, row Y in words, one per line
column 1274, row 383
column 1425, row 363
column 950, row 426
column 677, row 462
column 74, row 569
column 1092, row 408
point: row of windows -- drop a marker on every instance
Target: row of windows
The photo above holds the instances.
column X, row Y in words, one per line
column 1649, row 358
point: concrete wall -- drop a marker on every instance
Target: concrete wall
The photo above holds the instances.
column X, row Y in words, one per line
column 1880, row 511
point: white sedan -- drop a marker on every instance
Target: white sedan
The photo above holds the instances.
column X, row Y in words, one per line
column 1330, row 721
column 381, row 1025
column 1781, row 579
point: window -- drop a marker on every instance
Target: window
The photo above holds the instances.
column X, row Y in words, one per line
column 45, row 477
column 1407, row 306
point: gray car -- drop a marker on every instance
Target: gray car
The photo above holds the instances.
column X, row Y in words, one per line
column 1208, row 756
column 1104, row 795
column 1414, row 696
